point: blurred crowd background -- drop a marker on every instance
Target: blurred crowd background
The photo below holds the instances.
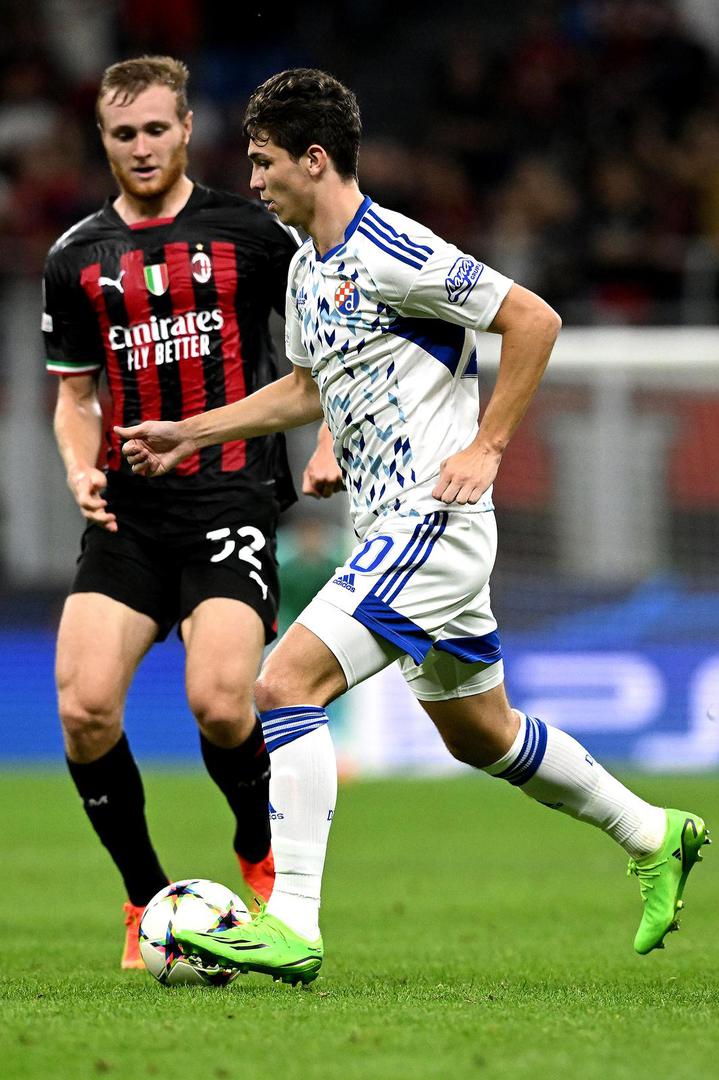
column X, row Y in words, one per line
column 573, row 144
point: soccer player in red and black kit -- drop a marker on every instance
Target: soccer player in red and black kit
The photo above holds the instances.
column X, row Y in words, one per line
column 167, row 290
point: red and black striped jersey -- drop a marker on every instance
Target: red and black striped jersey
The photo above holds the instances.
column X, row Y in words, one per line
column 175, row 313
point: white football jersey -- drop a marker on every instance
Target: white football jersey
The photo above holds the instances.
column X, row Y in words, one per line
column 387, row 322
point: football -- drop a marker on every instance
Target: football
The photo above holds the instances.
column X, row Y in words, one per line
column 194, row 904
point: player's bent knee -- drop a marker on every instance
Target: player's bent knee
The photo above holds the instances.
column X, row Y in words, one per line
column 88, row 726
column 268, row 694
column 224, row 721
column 276, row 690
column 79, row 715
column 462, row 751
column 211, row 705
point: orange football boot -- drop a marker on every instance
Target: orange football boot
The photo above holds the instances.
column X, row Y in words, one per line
column 131, row 956
column 259, row 878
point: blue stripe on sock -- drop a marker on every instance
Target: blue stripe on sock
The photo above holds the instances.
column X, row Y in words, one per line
column 528, row 730
column 530, row 756
column 282, row 726
column 524, row 759
column 291, row 736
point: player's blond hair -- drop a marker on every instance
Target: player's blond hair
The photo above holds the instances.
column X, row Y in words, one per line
column 128, row 78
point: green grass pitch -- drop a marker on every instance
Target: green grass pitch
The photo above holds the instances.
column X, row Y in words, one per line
column 469, row 933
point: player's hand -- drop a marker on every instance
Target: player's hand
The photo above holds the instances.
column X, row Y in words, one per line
column 155, row 447
column 322, row 476
column 464, row 477
column 87, row 487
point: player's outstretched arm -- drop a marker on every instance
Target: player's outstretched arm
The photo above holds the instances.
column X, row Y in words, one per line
column 78, row 431
column 157, row 446
column 529, row 328
column 322, row 476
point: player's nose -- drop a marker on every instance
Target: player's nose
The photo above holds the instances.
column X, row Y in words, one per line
column 140, row 148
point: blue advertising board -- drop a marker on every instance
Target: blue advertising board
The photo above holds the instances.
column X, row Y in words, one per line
column 654, row 707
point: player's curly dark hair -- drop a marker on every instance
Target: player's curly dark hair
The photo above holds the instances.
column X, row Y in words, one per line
column 128, row 78
column 302, row 106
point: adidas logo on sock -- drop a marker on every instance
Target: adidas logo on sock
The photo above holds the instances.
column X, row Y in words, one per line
column 275, row 815
column 677, row 854
column 347, row 581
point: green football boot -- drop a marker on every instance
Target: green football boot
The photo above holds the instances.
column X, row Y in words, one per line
column 662, row 877
column 266, row 944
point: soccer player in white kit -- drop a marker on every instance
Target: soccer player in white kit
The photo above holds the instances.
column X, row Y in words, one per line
column 381, row 324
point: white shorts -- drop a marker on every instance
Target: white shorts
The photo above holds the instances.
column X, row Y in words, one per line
column 416, row 590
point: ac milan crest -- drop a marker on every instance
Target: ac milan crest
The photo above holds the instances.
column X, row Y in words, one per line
column 201, row 267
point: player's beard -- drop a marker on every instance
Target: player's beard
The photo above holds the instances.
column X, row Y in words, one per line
column 169, row 175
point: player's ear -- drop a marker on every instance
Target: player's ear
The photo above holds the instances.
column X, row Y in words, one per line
column 316, row 157
column 187, row 124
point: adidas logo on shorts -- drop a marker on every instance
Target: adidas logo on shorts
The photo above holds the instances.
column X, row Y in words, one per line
column 347, row 581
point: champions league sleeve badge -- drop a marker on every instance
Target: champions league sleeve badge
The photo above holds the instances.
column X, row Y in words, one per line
column 347, row 298
column 461, row 279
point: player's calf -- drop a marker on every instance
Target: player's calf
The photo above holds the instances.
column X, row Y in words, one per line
column 551, row 767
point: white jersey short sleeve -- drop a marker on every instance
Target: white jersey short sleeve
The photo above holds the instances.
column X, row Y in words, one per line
column 448, row 284
column 293, row 312
column 387, row 323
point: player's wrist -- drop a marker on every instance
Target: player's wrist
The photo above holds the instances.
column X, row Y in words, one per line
column 491, row 444
column 324, row 438
column 76, row 473
column 190, row 431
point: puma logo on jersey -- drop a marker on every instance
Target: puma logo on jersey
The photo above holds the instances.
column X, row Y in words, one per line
column 115, row 283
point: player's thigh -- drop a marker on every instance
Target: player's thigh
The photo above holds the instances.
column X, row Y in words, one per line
column 224, row 639
column 99, row 646
column 344, row 651
column 477, row 729
column 301, row 670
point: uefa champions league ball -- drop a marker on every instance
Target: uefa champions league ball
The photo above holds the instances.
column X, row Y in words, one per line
column 194, row 904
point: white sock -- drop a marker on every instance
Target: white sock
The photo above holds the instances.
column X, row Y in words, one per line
column 553, row 768
column 303, row 792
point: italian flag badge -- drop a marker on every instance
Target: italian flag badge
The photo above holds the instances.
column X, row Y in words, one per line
column 157, row 278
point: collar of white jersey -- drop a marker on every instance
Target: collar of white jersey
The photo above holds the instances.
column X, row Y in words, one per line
column 361, row 211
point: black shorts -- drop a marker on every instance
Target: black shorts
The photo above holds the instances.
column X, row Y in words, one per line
column 166, row 576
